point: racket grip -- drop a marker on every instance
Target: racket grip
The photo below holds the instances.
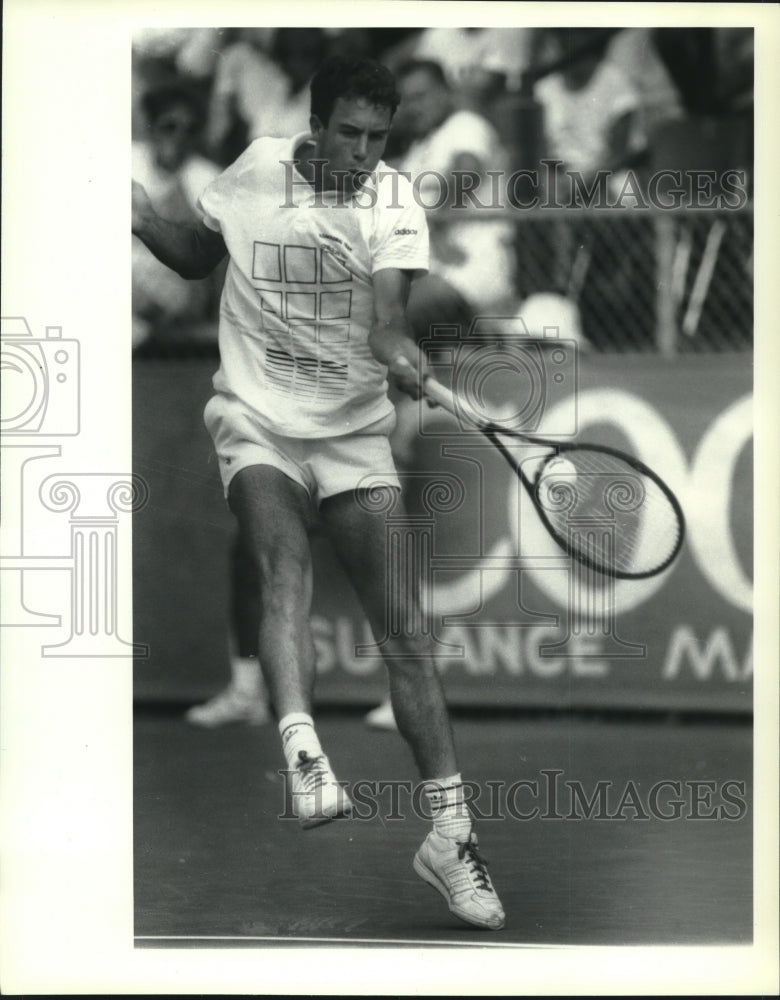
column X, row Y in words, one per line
column 438, row 393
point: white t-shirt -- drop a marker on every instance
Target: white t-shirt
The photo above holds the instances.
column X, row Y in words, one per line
column 298, row 302
column 262, row 92
column 484, row 274
column 577, row 123
column 466, row 54
column 462, row 132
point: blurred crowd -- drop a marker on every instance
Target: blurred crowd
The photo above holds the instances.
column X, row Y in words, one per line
column 477, row 99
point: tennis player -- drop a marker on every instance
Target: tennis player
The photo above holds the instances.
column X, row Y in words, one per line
column 324, row 240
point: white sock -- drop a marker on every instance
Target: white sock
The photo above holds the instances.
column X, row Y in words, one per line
column 247, row 677
column 450, row 814
column 297, row 732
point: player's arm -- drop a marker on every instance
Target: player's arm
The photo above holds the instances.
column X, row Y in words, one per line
column 390, row 338
column 191, row 249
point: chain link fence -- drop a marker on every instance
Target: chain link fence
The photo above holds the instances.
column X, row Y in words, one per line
column 667, row 282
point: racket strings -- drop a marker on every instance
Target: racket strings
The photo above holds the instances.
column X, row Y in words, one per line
column 608, row 512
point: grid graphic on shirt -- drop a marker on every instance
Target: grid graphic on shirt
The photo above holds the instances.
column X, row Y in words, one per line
column 304, row 377
column 312, row 319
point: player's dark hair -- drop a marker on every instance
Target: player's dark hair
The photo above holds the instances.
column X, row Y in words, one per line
column 429, row 66
column 349, row 77
column 156, row 102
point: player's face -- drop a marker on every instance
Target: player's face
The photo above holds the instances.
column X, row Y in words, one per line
column 424, row 102
column 352, row 142
column 173, row 137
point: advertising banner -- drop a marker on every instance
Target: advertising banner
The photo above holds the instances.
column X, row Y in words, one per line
column 513, row 623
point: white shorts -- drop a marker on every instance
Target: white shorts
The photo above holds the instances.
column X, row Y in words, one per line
column 323, row 466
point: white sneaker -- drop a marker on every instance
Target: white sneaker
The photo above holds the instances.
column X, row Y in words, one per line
column 381, row 717
column 229, row 706
column 316, row 794
column 460, row 875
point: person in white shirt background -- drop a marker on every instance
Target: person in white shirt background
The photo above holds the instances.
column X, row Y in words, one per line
column 261, row 87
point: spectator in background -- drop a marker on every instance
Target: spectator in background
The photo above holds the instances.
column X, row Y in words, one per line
column 461, row 53
column 589, row 107
column 472, row 263
column 599, row 112
column 174, row 174
column 261, row 87
column 190, row 52
column 169, row 56
column 633, row 52
column 474, row 257
column 478, row 63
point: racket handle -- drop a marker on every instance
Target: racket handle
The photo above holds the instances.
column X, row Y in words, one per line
column 440, row 394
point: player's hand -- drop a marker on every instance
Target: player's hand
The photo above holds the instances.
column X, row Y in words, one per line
column 407, row 377
column 142, row 209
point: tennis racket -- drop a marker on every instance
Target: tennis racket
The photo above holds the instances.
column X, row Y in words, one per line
column 603, row 507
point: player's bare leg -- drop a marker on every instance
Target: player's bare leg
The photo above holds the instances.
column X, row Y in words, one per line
column 449, row 859
column 358, row 535
column 274, row 516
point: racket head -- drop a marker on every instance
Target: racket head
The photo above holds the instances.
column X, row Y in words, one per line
column 606, row 509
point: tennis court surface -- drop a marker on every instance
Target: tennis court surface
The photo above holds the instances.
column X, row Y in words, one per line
column 215, row 865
